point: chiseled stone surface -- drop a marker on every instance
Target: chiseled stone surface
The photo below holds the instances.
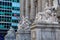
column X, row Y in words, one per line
column 47, row 16
column 22, row 7
column 10, row 35
column 27, row 8
column 23, row 35
column 23, row 31
column 57, row 34
column 45, row 33
column 45, row 26
column 39, row 5
column 33, row 10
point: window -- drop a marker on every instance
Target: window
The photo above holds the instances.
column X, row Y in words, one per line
column 15, row 8
column 14, row 0
column 17, row 0
column 7, row 3
column 0, row 3
column 7, row 10
column 8, row 14
column 15, row 27
column 15, row 21
column 59, row 2
column 7, row 0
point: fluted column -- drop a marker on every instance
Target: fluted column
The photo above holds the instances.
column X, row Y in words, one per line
column 39, row 5
column 50, row 3
column 22, row 7
column 27, row 8
column 43, row 4
column 33, row 10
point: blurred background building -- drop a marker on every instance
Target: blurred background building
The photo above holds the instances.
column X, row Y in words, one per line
column 9, row 14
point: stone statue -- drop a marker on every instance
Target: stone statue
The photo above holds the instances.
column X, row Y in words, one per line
column 55, row 4
column 47, row 16
column 52, row 18
column 23, row 31
column 10, row 34
column 24, row 23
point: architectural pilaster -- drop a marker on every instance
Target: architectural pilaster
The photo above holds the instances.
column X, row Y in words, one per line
column 39, row 5
column 22, row 7
column 50, row 3
column 43, row 4
column 27, row 8
column 33, row 10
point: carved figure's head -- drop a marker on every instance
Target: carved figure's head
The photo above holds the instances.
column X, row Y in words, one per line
column 48, row 11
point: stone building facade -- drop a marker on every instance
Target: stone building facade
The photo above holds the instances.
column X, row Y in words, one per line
column 31, row 7
column 44, row 17
column 41, row 31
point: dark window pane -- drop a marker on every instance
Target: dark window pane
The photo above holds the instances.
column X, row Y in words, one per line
column 59, row 2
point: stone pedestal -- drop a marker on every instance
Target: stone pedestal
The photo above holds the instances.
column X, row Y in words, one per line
column 23, row 31
column 44, row 31
column 23, row 35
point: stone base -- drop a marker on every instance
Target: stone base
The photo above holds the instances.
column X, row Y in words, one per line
column 45, row 32
column 48, row 22
column 23, row 35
